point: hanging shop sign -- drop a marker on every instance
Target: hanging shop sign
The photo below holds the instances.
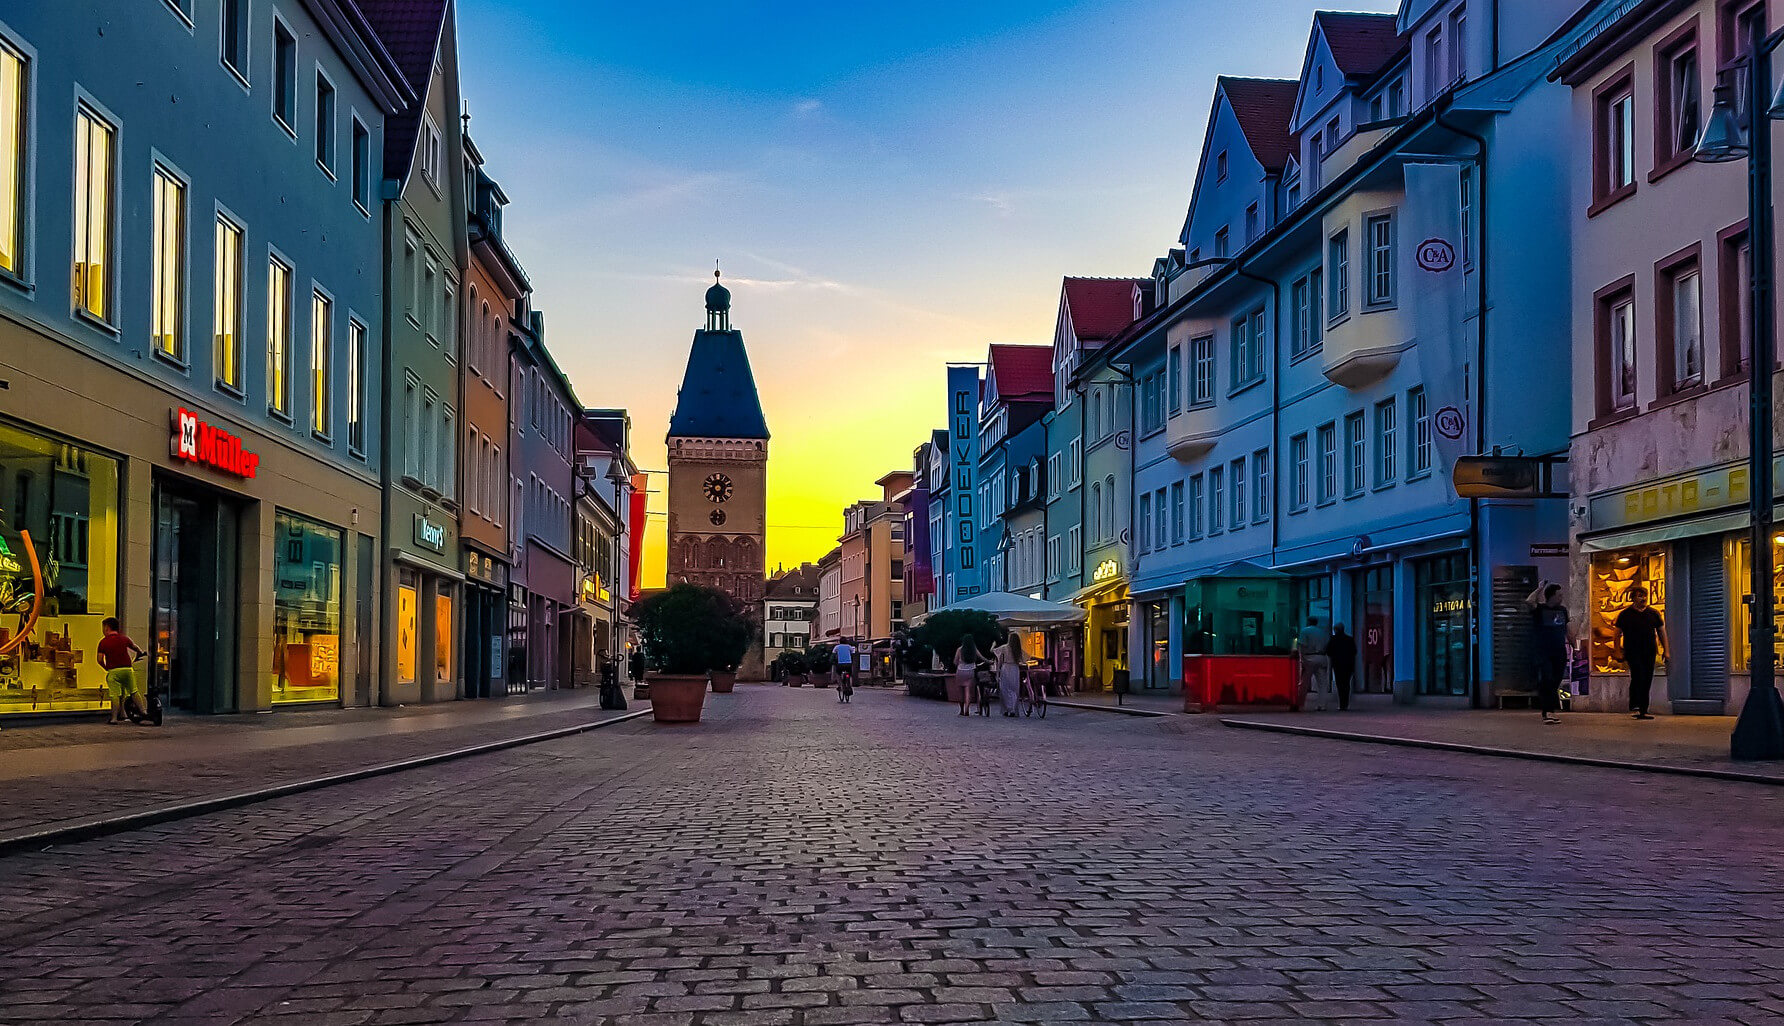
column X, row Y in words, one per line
column 1107, row 570
column 429, row 535
column 197, row 442
column 963, row 416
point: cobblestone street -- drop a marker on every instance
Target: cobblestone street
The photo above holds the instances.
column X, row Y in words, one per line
column 793, row 860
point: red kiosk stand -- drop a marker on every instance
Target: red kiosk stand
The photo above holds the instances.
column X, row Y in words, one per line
column 1211, row 681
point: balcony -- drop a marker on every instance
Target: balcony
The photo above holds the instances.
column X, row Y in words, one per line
column 1189, row 436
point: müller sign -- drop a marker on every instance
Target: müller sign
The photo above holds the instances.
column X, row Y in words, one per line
column 197, row 442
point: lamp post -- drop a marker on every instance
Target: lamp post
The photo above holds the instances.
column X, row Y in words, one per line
column 1759, row 732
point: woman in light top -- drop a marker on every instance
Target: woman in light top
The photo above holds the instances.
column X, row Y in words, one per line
column 967, row 661
column 1011, row 661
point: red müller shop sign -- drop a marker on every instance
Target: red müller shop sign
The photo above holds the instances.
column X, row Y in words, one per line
column 197, row 442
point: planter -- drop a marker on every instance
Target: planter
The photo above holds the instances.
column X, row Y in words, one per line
column 677, row 699
column 723, row 681
column 956, row 689
column 822, row 680
column 796, row 680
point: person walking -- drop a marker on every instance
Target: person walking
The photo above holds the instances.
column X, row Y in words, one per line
column 966, row 668
column 1641, row 639
column 1548, row 634
column 1316, row 667
column 1342, row 652
column 1011, row 661
column 117, row 656
column 845, row 671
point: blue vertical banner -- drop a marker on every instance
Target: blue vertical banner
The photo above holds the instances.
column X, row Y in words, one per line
column 963, row 426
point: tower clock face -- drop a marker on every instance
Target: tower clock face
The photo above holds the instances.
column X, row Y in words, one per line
column 718, row 488
column 717, row 517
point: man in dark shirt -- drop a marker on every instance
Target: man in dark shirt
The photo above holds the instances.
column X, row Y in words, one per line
column 1641, row 639
column 1549, row 630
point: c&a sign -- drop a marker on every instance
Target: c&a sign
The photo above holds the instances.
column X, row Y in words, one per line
column 197, row 442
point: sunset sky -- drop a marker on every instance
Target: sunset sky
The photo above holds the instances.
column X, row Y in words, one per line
column 889, row 187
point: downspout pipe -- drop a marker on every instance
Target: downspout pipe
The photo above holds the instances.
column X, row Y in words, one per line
column 1480, row 377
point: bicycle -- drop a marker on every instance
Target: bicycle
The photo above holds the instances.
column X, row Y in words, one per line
column 1032, row 699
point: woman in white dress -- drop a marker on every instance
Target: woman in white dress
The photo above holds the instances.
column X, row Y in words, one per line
column 1010, row 662
column 966, row 667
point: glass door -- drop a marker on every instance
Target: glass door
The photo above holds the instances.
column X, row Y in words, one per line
column 193, row 600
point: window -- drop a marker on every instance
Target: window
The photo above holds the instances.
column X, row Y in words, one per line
column 1195, row 506
column 325, row 124
column 1678, row 92
column 444, row 475
column 1096, row 510
column 1177, row 513
column 1314, row 152
column 362, row 167
column 1387, row 442
column 1421, row 433
column 1459, row 45
column 1145, row 521
column 1174, row 367
column 1613, row 145
column 1053, row 476
column 1074, row 549
column 1238, row 493
column 411, row 278
column 1221, row 243
column 1738, row 21
column 1053, row 558
column 430, row 310
column 1216, row 499
column 12, row 160
column 356, row 386
column 1109, row 528
column 1340, row 270
column 1096, row 414
column 278, row 337
column 284, row 76
column 1075, row 455
column 1300, row 339
column 234, row 17
column 1159, row 538
column 1251, row 223
column 1616, row 348
column 1679, row 318
column 1333, row 132
column 429, row 454
column 1381, row 260
column 430, row 150
column 1298, row 468
column 1436, row 76
column 321, row 339
column 1201, row 387
column 1468, row 217
column 226, row 307
column 1260, row 486
column 1248, row 348
column 94, row 183
column 1736, row 300
column 1356, row 448
column 1328, row 463
column 168, row 263
column 1220, row 167
column 1152, row 406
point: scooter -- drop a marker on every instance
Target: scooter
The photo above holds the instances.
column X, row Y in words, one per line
column 151, row 712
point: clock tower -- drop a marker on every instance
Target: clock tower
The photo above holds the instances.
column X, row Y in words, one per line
column 718, row 464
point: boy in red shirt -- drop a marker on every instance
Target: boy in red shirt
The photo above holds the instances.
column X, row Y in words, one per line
column 116, row 654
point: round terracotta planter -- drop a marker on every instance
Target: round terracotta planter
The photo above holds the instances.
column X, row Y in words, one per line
column 677, row 699
column 956, row 689
column 723, row 681
column 821, row 680
column 796, row 680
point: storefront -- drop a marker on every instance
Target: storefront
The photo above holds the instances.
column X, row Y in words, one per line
column 484, row 650
column 1105, row 664
column 230, row 548
column 424, row 630
column 1444, row 638
column 1372, row 624
column 1155, row 641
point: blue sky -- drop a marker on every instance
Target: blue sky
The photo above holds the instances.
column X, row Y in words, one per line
column 889, row 187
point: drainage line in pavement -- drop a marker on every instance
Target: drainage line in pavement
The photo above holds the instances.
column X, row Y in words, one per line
column 86, row 830
column 1507, row 753
column 1122, row 709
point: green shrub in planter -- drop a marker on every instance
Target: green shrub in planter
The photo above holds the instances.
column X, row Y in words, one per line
column 940, row 633
column 692, row 630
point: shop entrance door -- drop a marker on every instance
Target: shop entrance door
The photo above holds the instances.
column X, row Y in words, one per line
column 193, row 599
column 362, row 627
column 1707, row 599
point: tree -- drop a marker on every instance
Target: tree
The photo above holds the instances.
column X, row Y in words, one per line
column 689, row 629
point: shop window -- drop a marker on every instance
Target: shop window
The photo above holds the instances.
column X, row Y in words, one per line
column 66, row 500
column 1445, row 608
column 408, row 625
column 443, row 634
column 1738, row 552
column 1615, row 576
column 306, row 610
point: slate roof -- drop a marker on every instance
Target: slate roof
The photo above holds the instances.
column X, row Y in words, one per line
column 804, row 577
column 718, row 392
column 1101, row 307
column 1022, row 371
column 410, row 30
column 1264, row 108
column 1362, row 44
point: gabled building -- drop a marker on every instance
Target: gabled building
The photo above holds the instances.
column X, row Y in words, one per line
column 1013, row 459
column 601, row 549
column 789, row 611
column 543, row 582
column 424, row 215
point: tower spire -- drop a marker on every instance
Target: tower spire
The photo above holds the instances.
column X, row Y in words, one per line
column 718, row 303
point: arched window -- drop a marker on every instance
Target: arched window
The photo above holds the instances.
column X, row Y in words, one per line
column 1096, row 414
column 1096, row 511
column 1109, row 415
column 1109, row 497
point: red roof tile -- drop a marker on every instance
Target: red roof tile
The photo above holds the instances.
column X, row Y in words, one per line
column 1362, row 44
column 1101, row 307
column 1022, row 370
column 410, row 30
column 1264, row 107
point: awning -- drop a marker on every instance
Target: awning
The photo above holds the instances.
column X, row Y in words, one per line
column 1096, row 591
column 1016, row 610
column 1638, row 537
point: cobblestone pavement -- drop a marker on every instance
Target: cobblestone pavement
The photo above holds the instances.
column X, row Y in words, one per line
column 793, row 860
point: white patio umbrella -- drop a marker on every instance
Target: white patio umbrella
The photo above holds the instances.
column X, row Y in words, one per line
column 1014, row 610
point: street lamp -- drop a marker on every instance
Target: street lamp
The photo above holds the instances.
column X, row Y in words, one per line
column 1759, row 732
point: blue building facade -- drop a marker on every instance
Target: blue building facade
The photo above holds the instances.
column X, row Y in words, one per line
column 190, row 432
